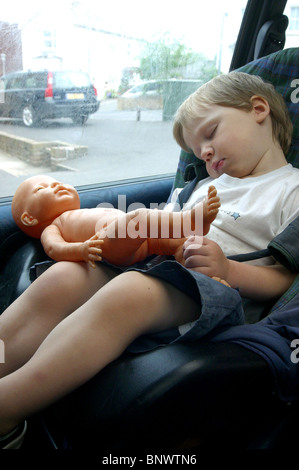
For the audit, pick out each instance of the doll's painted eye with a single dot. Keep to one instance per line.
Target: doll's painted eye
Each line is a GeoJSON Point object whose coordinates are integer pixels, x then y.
{"type": "Point", "coordinates": [38, 188]}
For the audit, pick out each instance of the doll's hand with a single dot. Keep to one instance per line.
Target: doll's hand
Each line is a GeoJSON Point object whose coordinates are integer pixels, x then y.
{"type": "Point", "coordinates": [205, 256]}
{"type": "Point", "coordinates": [91, 251]}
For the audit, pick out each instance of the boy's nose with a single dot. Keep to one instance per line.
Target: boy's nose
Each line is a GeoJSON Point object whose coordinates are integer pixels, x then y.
{"type": "Point", "coordinates": [207, 153]}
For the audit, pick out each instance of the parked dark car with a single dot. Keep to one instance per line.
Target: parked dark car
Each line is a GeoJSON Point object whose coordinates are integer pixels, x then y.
{"type": "Point", "coordinates": [33, 96]}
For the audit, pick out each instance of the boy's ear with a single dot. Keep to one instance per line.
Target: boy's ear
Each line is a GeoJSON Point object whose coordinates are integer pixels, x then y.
{"type": "Point", "coordinates": [260, 107]}
{"type": "Point", "coordinates": [28, 220]}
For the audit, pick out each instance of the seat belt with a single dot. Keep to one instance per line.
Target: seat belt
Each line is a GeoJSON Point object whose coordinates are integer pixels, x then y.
{"type": "Point", "coordinates": [284, 248]}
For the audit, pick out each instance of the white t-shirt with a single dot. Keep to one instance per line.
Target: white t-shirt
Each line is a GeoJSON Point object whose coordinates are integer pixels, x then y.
{"type": "Point", "coordinates": [253, 210]}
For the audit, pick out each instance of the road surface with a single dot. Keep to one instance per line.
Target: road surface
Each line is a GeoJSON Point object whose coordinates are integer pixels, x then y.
{"type": "Point", "coordinates": [119, 147]}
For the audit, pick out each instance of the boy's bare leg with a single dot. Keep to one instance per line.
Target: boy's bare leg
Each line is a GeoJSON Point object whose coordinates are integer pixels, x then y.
{"type": "Point", "coordinates": [52, 297]}
{"type": "Point", "coordinates": [89, 339]}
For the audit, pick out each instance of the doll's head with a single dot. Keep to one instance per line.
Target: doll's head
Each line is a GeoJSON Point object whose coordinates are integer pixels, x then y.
{"type": "Point", "coordinates": [39, 200]}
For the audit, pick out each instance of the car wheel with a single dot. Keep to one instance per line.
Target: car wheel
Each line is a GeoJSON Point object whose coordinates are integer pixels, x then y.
{"type": "Point", "coordinates": [80, 119]}
{"type": "Point", "coordinates": [29, 116]}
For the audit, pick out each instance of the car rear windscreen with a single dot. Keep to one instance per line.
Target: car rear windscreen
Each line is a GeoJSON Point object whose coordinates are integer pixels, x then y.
{"type": "Point", "coordinates": [71, 79]}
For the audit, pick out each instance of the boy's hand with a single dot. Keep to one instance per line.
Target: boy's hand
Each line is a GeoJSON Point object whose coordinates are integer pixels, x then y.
{"type": "Point", "coordinates": [91, 251]}
{"type": "Point", "coordinates": [205, 256]}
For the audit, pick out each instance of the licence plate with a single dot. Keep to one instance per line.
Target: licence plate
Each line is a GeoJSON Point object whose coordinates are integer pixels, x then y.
{"type": "Point", "coordinates": [75, 96]}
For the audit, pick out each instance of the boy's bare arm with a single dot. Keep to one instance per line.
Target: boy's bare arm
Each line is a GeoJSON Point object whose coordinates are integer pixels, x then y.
{"type": "Point", "coordinates": [60, 250]}
{"type": "Point", "coordinates": [259, 282]}
{"type": "Point", "coordinates": [254, 282]}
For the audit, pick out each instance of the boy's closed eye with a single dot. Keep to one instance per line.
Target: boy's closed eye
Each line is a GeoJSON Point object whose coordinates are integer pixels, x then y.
{"type": "Point", "coordinates": [211, 131]}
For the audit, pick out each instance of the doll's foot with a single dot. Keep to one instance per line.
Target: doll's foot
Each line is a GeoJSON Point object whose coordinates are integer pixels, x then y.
{"type": "Point", "coordinates": [211, 206]}
{"type": "Point", "coordinates": [222, 281]}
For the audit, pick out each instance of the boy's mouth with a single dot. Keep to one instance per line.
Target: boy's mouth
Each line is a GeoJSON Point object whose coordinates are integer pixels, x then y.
{"type": "Point", "coordinates": [218, 165]}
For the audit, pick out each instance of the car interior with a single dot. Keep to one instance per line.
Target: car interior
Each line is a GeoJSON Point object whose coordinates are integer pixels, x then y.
{"type": "Point", "coordinates": [183, 397]}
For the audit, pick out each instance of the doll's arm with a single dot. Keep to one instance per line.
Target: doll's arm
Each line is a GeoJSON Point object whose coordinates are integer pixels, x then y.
{"type": "Point", "coordinates": [58, 249]}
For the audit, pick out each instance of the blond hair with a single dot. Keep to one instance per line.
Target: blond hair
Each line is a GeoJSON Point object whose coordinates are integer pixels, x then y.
{"type": "Point", "coordinates": [235, 90]}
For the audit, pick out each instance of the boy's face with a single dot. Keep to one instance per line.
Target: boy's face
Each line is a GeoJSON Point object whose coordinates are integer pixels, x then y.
{"type": "Point", "coordinates": [230, 141]}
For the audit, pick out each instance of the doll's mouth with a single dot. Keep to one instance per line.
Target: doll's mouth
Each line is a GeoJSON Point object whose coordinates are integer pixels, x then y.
{"type": "Point", "coordinates": [61, 190]}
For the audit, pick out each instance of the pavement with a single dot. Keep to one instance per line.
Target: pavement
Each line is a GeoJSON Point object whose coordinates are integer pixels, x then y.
{"type": "Point", "coordinates": [119, 147]}
{"type": "Point", "coordinates": [13, 171]}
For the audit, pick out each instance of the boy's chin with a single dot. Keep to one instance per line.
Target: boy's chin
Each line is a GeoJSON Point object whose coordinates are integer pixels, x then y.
{"type": "Point", "coordinates": [214, 174]}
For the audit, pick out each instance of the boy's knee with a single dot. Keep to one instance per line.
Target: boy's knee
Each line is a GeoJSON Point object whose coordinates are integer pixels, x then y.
{"type": "Point", "coordinates": [62, 276]}
{"type": "Point", "coordinates": [132, 290]}
{"type": "Point", "coordinates": [126, 303]}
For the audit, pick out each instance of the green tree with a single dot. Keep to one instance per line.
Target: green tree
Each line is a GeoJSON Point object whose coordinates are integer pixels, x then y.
{"type": "Point", "coordinates": [171, 59]}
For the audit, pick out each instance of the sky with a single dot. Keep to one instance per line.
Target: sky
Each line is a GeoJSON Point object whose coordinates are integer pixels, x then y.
{"type": "Point", "coordinates": [188, 21]}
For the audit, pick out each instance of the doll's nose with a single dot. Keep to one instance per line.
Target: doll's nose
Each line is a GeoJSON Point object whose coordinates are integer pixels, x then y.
{"type": "Point", "coordinates": [56, 185]}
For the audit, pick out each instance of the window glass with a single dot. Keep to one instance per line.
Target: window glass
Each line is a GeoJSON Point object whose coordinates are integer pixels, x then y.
{"type": "Point", "coordinates": [114, 75]}
{"type": "Point", "coordinates": [70, 79]}
{"type": "Point", "coordinates": [36, 80]}
{"type": "Point", "coordinates": [294, 19]}
{"type": "Point", "coordinates": [15, 82]}
{"type": "Point", "coordinates": [292, 32]}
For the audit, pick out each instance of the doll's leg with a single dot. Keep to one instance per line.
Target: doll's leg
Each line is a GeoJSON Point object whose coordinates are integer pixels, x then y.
{"type": "Point", "coordinates": [124, 238]}
{"type": "Point", "coordinates": [211, 206]}
{"type": "Point", "coordinates": [175, 225]}
{"type": "Point", "coordinates": [135, 235]}
{"type": "Point", "coordinates": [51, 297]}
{"type": "Point", "coordinates": [89, 339]}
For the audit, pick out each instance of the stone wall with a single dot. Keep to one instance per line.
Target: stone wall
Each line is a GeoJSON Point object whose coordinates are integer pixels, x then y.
{"type": "Point", "coordinates": [39, 153]}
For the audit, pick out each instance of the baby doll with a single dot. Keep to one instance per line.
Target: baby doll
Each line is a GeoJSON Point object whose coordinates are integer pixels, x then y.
{"type": "Point", "coordinates": [47, 209]}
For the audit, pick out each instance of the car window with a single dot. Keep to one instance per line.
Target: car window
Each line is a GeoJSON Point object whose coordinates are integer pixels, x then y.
{"type": "Point", "coordinates": [35, 80]}
{"type": "Point", "coordinates": [72, 118]}
{"type": "Point", "coordinates": [71, 79]}
{"type": "Point", "coordinates": [14, 82]}
{"type": "Point", "coordinates": [292, 33]}
{"type": "Point", "coordinates": [137, 89]}
{"type": "Point", "coordinates": [156, 86]}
